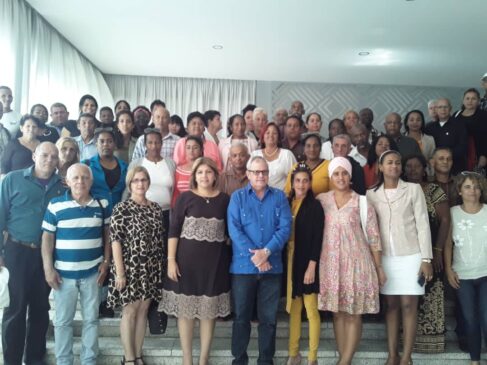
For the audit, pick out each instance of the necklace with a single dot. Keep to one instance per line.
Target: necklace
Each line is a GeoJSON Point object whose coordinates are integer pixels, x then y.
{"type": "Point", "coordinates": [272, 153]}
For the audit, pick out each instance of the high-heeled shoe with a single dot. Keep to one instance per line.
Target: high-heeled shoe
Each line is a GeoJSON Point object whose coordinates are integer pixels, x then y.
{"type": "Point", "coordinates": [140, 360]}
{"type": "Point", "coordinates": [123, 362]}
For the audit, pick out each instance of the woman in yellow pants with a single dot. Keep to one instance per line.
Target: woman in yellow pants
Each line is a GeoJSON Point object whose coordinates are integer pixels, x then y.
{"type": "Point", "coordinates": [303, 254]}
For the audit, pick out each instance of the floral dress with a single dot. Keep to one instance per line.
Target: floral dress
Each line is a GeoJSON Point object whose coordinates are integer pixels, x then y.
{"type": "Point", "coordinates": [348, 278]}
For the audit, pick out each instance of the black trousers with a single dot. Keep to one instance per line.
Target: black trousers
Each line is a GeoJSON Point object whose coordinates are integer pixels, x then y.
{"type": "Point", "coordinates": [29, 297]}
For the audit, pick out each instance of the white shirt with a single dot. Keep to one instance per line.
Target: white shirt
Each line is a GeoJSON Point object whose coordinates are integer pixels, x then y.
{"type": "Point", "coordinates": [279, 168]}
{"type": "Point", "coordinates": [11, 121]}
{"type": "Point", "coordinates": [162, 183]}
{"type": "Point", "coordinates": [357, 156]}
{"type": "Point", "coordinates": [326, 151]}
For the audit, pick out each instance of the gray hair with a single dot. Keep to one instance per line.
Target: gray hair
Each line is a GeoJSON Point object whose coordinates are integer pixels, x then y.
{"type": "Point", "coordinates": [342, 136]}
{"type": "Point", "coordinates": [74, 166]}
{"type": "Point", "coordinates": [431, 102]}
{"type": "Point", "coordinates": [259, 110]}
{"type": "Point", "coordinates": [257, 158]}
{"type": "Point", "coordinates": [240, 145]}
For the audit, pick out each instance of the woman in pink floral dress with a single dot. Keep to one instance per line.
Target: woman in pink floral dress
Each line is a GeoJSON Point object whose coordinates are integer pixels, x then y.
{"type": "Point", "coordinates": [350, 265]}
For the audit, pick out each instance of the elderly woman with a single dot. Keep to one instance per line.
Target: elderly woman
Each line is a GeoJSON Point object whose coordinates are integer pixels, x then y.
{"type": "Point", "coordinates": [124, 137]}
{"type": "Point", "coordinates": [198, 285]}
{"type": "Point", "coordinates": [236, 131]}
{"type": "Point", "coordinates": [407, 253]}
{"type": "Point", "coordinates": [303, 255]}
{"type": "Point", "coordinates": [68, 154]}
{"type": "Point", "coordinates": [317, 165]}
{"type": "Point", "coordinates": [466, 258]}
{"type": "Point", "coordinates": [350, 264]}
{"type": "Point", "coordinates": [18, 152]}
{"type": "Point", "coordinates": [430, 334]}
{"type": "Point", "coordinates": [136, 234]}
{"type": "Point", "coordinates": [280, 160]}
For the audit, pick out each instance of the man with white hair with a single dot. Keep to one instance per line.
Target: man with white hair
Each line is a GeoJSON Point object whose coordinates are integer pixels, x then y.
{"type": "Point", "coordinates": [76, 256]}
{"type": "Point", "coordinates": [24, 195]}
{"type": "Point", "coordinates": [432, 110]}
{"type": "Point", "coordinates": [259, 224]}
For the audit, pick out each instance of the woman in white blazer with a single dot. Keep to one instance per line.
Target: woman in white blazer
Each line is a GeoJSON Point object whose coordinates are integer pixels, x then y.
{"type": "Point", "coordinates": [407, 252]}
{"type": "Point", "coordinates": [414, 124]}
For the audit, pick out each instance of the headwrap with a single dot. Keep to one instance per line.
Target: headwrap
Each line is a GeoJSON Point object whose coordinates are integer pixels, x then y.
{"type": "Point", "coordinates": [340, 162]}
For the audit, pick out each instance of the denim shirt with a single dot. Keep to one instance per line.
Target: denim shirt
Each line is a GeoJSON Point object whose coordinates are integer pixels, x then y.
{"type": "Point", "coordinates": [257, 224]}
{"type": "Point", "coordinates": [100, 187]}
{"type": "Point", "coordinates": [23, 201]}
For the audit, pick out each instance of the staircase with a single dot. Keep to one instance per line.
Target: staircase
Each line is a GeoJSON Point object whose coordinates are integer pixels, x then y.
{"type": "Point", "coordinates": [165, 349]}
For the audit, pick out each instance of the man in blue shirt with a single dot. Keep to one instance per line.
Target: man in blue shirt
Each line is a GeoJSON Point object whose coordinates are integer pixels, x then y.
{"type": "Point", "coordinates": [24, 195]}
{"type": "Point", "coordinates": [76, 255]}
{"type": "Point", "coordinates": [259, 223]}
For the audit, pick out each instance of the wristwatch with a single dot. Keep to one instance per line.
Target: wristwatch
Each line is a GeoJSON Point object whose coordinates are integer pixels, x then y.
{"type": "Point", "coordinates": [267, 251]}
{"type": "Point", "coordinates": [428, 261]}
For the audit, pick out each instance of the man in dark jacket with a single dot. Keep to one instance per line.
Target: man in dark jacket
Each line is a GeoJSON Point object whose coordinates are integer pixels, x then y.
{"type": "Point", "coordinates": [449, 132]}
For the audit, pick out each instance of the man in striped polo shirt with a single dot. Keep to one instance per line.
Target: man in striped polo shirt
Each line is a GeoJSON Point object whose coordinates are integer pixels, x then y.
{"type": "Point", "coordinates": [76, 253]}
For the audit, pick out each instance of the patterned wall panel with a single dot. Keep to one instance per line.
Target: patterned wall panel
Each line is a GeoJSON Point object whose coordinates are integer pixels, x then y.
{"type": "Point", "coordinates": [332, 100]}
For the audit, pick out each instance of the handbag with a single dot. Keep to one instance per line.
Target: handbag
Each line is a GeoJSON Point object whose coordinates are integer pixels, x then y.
{"type": "Point", "coordinates": [157, 320]}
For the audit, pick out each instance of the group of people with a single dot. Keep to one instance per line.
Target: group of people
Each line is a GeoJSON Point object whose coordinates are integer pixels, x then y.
{"type": "Point", "coordinates": [206, 224]}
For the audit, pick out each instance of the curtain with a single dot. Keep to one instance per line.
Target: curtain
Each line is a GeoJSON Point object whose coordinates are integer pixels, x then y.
{"type": "Point", "coordinates": [184, 95]}
{"type": "Point", "coordinates": [41, 66]}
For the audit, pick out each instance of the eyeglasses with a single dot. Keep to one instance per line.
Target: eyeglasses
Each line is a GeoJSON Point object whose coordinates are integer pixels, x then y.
{"type": "Point", "coordinates": [259, 172]}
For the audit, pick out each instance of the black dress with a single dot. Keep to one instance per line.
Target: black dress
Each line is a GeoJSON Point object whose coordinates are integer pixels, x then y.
{"type": "Point", "coordinates": [203, 257]}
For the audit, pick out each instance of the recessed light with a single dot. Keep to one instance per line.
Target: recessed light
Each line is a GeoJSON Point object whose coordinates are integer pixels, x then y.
{"type": "Point", "coordinates": [364, 53]}
{"type": "Point", "coordinates": [217, 46]}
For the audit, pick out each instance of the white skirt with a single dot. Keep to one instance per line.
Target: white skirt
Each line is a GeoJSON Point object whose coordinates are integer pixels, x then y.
{"type": "Point", "coordinates": [402, 275]}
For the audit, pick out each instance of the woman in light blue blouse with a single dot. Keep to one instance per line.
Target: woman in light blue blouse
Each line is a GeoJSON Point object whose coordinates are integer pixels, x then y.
{"type": "Point", "coordinates": [466, 257]}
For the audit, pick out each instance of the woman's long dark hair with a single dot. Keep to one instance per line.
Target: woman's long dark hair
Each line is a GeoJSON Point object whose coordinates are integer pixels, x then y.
{"type": "Point", "coordinates": [372, 158]}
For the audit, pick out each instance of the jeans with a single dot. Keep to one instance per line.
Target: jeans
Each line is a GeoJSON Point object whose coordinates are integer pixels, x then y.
{"type": "Point", "coordinates": [265, 290]}
{"type": "Point", "coordinates": [66, 298]}
{"type": "Point", "coordinates": [472, 296]}
{"type": "Point", "coordinates": [26, 319]}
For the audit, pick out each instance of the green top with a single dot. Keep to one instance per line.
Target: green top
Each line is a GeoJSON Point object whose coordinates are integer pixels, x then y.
{"type": "Point", "coordinates": [23, 201]}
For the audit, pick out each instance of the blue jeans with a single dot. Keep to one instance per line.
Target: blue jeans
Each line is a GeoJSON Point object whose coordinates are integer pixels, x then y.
{"type": "Point", "coordinates": [265, 290]}
{"type": "Point", "coordinates": [65, 299]}
{"type": "Point", "coordinates": [472, 296]}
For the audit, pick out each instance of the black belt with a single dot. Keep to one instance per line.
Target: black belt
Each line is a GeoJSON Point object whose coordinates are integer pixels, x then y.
{"type": "Point", "coordinates": [31, 245]}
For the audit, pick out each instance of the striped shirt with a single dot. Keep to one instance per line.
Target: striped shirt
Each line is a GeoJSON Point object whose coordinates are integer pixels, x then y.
{"type": "Point", "coordinates": [79, 234]}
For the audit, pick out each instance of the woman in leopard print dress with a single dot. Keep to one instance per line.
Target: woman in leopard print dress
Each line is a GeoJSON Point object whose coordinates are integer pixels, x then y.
{"type": "Point", "coordinates": [136, 234]}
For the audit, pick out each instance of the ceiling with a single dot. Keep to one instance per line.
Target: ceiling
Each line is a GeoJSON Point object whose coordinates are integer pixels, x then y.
{"type": "Point", "coordinates": [420, 42]}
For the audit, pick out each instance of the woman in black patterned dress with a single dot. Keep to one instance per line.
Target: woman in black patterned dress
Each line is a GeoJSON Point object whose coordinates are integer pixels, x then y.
{"type": "Point", "coordinates": [198, 284]}
{"type": "Point", "coordinates": [136, 234]}
{"type": "Point", "coordinates": [430, 330]}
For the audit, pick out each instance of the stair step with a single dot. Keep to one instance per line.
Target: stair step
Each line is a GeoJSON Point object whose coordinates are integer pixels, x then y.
{"type": "Point", "coordinates": [168, 352]}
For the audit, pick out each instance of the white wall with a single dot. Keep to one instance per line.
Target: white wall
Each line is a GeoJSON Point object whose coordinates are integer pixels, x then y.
{"type": "Point", "coordinates": [332, 100]}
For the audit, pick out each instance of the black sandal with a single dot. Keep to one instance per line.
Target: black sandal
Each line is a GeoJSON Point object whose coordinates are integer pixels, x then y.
{"type": "Point", "coordinates": [123, 362]}
{"type": "Point", "coordinates": [140, 360]}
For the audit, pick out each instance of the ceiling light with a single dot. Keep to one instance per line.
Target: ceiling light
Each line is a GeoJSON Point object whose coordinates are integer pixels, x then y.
{"type": "Point", "coordinates": [364, 53]}
{"type": "Point", "coordinates": [217, 46]}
